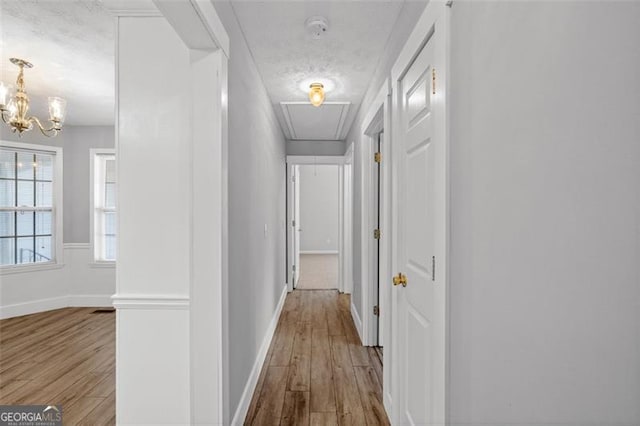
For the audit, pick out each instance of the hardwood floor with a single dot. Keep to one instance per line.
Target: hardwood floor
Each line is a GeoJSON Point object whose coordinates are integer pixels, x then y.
{"type": "Point", "coordinates": [317, 372]}
{"type": "Point", "coordinates": [65, 357]}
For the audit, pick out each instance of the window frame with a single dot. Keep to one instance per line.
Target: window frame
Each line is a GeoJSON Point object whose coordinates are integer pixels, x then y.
{"type": "Point", "coordinates": [57, 236]}
{"type": "Point", "coordinates": [94, 191]}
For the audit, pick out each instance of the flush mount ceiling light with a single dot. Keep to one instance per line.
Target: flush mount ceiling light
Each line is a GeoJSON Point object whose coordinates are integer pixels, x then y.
{"type": "Point", "coordinates": [316, 94]}
{"type": "Point", "coordinates": [317, 26]}
{"type": "Point", "coordinates": [14, 113]}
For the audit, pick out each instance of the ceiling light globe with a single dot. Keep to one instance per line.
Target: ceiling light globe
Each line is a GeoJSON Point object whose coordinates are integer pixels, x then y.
{"type": "Point", "coordinates": [316, 94]}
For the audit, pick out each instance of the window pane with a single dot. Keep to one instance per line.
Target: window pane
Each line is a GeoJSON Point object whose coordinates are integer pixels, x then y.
{"type": "Point", "coordinates": [110, 195]}
{"type": "Point", "coordinates": [7, 193]}
{"type": "Point", "coordinates": [6, 224]}
{"type": "Point", "coordinates": [109, 248]}
{"type": "Point", "coordinates": [25, 194]}
{"type": "Point", "coordinates": [7, 164]}
{"type": "Point", "coordinates": [25, 223]}
{"type": "Point", "coordinates": [44, 194]}
{"type": "Point", "coordinates": [25, 250]}
{"type": "Point", "coordinates": [110, 223]}
{"type": "Point", "coordinates": [44, 167]}
{"type": "Point", "coordinates": [44, 222]}
{"type": "Point", "coordinates": [25, 166]}
{"type": "Point", "coordinates": [6, 251]}
{"type": "Point", "coordinates": [43, 249]}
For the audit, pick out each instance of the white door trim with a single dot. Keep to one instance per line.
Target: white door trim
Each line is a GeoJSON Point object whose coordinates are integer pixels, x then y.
{"type": "Point", "coordinates": [344, 256]}
{"type": "Point", "coordinates": [376, 120]}
{"type": "Point", "coordinates": [436, 13]}
{"type": "Point", "coordinates": [347, 240]}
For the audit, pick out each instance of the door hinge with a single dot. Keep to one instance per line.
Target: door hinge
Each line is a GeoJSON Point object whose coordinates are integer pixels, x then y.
{"type": "Point", "coordinates": [433, 78]}
{"type": "Point", "coordinates": [293, 223]}
{"type": "Point", "coordinates": [377, 157]}
{"type": "Point", "coordinates": [449, 3]}
{"type": "Point", "coordinates": [433, 268]}
{"type": "Point", "coordinates": [376, 310]}
{"type": "Point", "coordinates": [294, 268]}
{"type": "Point", "coordinates": [376, 234]}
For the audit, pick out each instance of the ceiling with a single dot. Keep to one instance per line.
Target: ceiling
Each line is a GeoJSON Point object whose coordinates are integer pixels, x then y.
{"type": "Point", "coordinates": [289, 59]}
{"type": "Point", "coordinates": [71, 45]}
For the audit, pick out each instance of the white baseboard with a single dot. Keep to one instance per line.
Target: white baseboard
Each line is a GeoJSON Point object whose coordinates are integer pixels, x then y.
{"type": "Point", "coordinates": [357, 321]}
{"type": "Point", "coordinates": [250, 387]}
{"type": "Point", "coordinates": [43, 305]}
{"type": "Point", "coordinates": [33, 307]}
{"type": "Point", "coordinates": [319, 252]}
{"type": "Point", "coordinates": [90, 300]}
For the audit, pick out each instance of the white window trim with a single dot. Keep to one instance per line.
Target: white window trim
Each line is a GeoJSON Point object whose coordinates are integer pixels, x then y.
{"type": "Point", "coordinates": [93, 153]}
{"type": "Point", "coordinates": [58, 202]}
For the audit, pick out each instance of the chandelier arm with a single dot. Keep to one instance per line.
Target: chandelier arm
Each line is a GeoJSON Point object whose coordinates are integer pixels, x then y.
{"type": "Point", "coordinates": [3, 118]}
{"type": "Point", "coordinates": [52, 131]}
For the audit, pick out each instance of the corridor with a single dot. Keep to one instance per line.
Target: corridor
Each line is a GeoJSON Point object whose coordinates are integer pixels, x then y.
{"type": "Point", "coordinates": [316, 371]}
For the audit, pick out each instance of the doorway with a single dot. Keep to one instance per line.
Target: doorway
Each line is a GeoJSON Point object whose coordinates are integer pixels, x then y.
{"type": "Point", "coordinates": [316, 207]}
{"type": "Point", "coordinates": [317, 227]}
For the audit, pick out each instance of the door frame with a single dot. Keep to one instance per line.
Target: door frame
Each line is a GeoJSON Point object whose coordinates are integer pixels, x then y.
{"type": "Point", "coordinates": [376, 120]}
{"type": "Point", "coordinates": [345, 258]}
{"type": "Point", "coordinates": [436, 14]}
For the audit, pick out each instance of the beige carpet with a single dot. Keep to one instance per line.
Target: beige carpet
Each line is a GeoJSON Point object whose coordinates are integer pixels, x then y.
{"type": "Point", "coordinates": [318, 272]}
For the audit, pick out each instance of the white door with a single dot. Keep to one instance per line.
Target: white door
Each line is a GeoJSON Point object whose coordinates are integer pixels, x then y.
{"type": "Point", "coordinates": [421, 230]}
{"type": "Point", "coordinates": [296, 225]}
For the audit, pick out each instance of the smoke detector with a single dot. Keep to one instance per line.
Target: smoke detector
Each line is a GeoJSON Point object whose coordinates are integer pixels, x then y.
{"type": "Point", "coordinates": [317, 26]}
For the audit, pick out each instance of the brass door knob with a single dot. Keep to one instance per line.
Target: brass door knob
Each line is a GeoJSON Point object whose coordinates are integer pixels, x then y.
{"type": "Point", "coordinates": [400, 279]}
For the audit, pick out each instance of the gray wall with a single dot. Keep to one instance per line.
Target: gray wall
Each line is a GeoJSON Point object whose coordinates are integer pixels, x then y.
{"type": "Point", "coordinates": [545, 204]}
{"type": "Point", "coordinates": [76, 141]}
{"type": "Point", "coordinates": [319, 214]}
{"type": "Point", "coordinates": [315, 147]}
{"type": "Point", "coordinates": [407, 19]}
{"type": "Point", "coordinates": [256, 198]}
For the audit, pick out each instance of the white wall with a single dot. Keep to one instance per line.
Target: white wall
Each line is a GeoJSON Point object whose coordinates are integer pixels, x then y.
{"type": "Point", "coordinates": [77, 282]}
{"type": "Point", "coordinates": [545, 202]}
{"type": "Point", "coordinates": [315, 147]}
{"type": "Point", "coordinates": [155, 256]}
{"type": "Point", "coordinates": [319, 208]}
{"type": "Point", "coordinates": [257, 198]}
{"type": "Point", "coordinates": [405, 23]}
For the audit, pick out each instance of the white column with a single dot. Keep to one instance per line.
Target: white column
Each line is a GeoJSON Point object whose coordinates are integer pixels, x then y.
{"type": "Point", "coordinates": [154, 223]}
{"type": "Point", "coordinates": [171, 151]}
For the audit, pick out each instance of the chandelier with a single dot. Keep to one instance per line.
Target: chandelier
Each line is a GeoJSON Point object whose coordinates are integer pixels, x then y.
{"type": "Point", "coordinates": [14, 113]}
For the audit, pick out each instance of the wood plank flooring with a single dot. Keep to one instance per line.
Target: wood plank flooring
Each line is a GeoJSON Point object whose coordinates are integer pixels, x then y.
{"type": "Point", "coordinates": [317, 372]}
{"type": "Point", "coordinates": [65, 357]}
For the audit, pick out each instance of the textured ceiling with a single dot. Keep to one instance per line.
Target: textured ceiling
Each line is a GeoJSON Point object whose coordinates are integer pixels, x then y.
{"type": "Point", "coordinates": [71, 45]}
{"type": "Point", "coordinates": [287, 57]}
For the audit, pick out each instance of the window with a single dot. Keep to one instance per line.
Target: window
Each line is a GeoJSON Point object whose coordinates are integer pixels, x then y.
{"type": "Point", "coordinates": [28, 198]}
{"type": "Point", "coordinates": [104, 205]}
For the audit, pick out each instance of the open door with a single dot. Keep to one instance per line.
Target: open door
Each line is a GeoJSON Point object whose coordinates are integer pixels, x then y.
{"type": "Point", "coordinates": [420, 225]}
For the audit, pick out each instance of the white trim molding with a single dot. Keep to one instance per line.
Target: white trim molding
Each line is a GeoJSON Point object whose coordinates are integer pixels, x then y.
{"type": "Point", "coordinates": [319, 251]}
{"type": "Point", "coordinates": [33, 307]}
{"type": "Point", "coordinates": [356, 320]}
{"type": "Point", "coordinates": [143, 301]}
{"type": "Point", "coordinates": [315, 159]}
{"type": "Point", "coordinates": [60, 302]}
{"type": "Point", "coordinates": [90, 300]}
{"type": "Point", "coordinates": [250, 387]}
{"type": "Point", "coordinates": [377, 119]}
